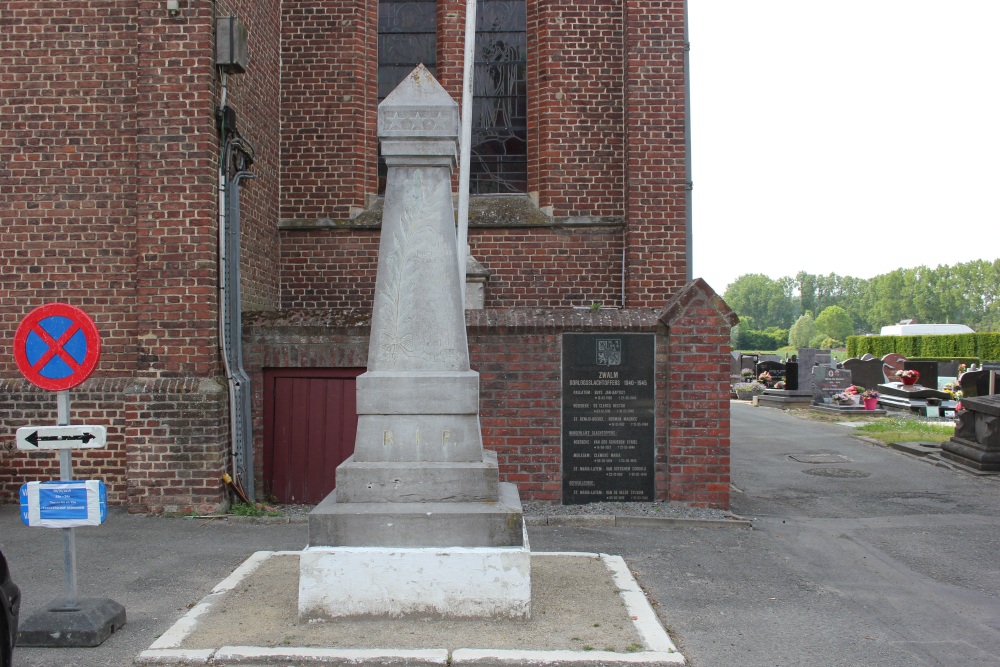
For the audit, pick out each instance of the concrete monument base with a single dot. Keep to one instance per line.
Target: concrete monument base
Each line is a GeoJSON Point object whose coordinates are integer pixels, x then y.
{"type": "Point", "coordinates": [336, 582]}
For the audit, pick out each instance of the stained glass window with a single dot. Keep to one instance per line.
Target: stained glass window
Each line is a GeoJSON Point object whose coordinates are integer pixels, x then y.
{"type": "Point", "coordinates": [500, 103]}
{"type": "Point", "coordinates": [407, 36]}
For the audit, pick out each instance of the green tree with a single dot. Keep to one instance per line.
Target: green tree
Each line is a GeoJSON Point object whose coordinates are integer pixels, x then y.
{"type": "Point", "coordinates": [761, 301]}
{"type": "Point", "coordinates": [835, 322]}
{"type": "Point", "coordinates": [802, 331]}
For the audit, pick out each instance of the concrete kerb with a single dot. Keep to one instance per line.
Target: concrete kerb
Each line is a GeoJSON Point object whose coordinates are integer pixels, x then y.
{"type": "Point", "coordinates": [658, 649]}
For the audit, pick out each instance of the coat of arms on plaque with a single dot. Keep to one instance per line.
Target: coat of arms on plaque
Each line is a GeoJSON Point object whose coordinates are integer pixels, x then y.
{"type": "Point", "coordinates": [609, 352]}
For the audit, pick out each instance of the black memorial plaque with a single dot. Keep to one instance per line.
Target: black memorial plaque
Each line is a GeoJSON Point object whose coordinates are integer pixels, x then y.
{"type": "Point", "coordinates": [608, 420]}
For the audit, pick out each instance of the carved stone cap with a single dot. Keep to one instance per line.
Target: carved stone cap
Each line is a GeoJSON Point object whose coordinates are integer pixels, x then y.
{"type": "Point", "coordinates": [418, 108]}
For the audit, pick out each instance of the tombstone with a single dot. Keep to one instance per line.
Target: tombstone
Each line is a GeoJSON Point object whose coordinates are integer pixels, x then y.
{"type": "Point", "coordinates": [827, 381]}
{"type": "Point", "coordinates": [734, 363]}
{"type": "Point", "coordinates": [891, 363]}
{"type": "Point", "coordinates": [866, 372]}
{"type": "Point", "coordinates": [976, 442]}
{"type": "Point", "coordinates": [809, 358]}
{"type": "Point", "coordinates": [928, 372]}
{"type": "Point", "coordinates": [975, 383]}
{"type": "Point", "coordinates": [792, 376]}
{"type": "Point", "coordinates": [948, 369]}
{"type": "Point", "coordinates": [775, 368]}
{"type": "Point", "coordinates": [748, 361]}
{"type": "Point", "coordinates": [419, 522]}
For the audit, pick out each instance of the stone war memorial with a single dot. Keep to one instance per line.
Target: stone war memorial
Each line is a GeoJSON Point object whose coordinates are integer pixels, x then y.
{"type": "Point", "coordinates": [419, 522]}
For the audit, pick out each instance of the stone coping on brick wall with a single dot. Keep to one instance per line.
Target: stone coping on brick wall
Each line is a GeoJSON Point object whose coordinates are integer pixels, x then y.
{"type": "Point", "coordinates": [484, 212]}
{"type": "Point", "coordinates": [356, 321]}
{"type": "Point", "coordinates": [124, 385]}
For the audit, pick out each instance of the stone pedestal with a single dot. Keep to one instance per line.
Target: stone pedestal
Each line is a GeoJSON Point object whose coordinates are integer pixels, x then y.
{"type": "Point", "coordinates": [419, 522]}
{"type": "Point", "coordinates": [976, 442]}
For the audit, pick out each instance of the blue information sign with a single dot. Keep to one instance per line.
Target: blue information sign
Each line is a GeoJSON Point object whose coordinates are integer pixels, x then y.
{"type": "Point", "coordinates": [64, 504]}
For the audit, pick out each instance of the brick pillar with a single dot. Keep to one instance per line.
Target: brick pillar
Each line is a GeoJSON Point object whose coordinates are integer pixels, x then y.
{"type": "Point", "coordinates": [174, 458]}
{"type": "Point", "coordinates": [698, 323]}
{"type": "Point", "coordinates": [451, 46]}
{"type": "Point", "coordinates": [328, 93]}
{"type": "Point", "coordinates": [576, 133]}
{"type": "Point", "coordinates": [656, 255]}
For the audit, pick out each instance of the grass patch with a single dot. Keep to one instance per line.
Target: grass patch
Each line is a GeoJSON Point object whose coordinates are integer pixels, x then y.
{"type": "Point", "coordinates": [903, 429]}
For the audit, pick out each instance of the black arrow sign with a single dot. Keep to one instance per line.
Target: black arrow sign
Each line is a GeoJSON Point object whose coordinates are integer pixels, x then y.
{"type": "Point", "coordinates": [82, 438]}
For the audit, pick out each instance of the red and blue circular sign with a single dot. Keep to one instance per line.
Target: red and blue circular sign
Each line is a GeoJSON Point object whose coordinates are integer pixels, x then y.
{"type": "Point", "coordinates": [57, 346]}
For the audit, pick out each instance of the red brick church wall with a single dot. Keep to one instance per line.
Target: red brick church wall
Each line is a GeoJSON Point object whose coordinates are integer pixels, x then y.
{"type": "Point", "coordinates": [111, 177]}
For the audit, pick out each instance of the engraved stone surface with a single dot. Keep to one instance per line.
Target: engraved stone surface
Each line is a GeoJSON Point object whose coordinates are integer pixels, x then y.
{"type": "Point", "coordinates": [608, 399]}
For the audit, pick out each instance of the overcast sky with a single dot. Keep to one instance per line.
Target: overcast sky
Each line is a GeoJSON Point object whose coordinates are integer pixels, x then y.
{"type": "Point", "coordinates": [852, 137]}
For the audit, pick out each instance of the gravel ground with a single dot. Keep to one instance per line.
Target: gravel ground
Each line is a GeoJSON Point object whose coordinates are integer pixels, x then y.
{"type": "Point", "coordinates": [574, 602]}
{"type": "Point", "coordinates": [296, 513]}
{"type": "Point", "coordinates": [669, 510]}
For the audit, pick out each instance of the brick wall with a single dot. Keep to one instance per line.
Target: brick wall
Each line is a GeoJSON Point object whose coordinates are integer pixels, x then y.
{"type": "Point", "coordinates": [94, 402]}
{"type": "Point", "coordinates": [328, 98]}
{"type": "Point", "coordinates": [67, 170]}
{"type": "Point", "coordinates": [697, 359]}
{"type": "Point", "coordinates": [107, 129]}
{"type": "Point", "coordinates": [655, 198]}
{"type": "Point", "coordinates": [576, 106]}
{"type": "Point", "coordinates": [176, 187]}
{"type": "Point", "coordinates": [256, 97]}
{"type": "Point", "coordinates": [328, 269]}
{"type": "Point", "coordinates": [175, 436]}
{"type": "Point", "coordinates": [163, 452]}
{"type": "Point", "coordinates": [548, 267]}
{"type": "Point", "coordinates": [517, 353]}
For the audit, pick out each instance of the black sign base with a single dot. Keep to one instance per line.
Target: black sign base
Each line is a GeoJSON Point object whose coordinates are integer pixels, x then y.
{"type": "Point", "coordinates": [89, 624]}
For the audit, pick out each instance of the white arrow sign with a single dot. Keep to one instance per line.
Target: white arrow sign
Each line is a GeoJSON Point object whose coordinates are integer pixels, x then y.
{"type": "Point", "coordinates": [61, 437]}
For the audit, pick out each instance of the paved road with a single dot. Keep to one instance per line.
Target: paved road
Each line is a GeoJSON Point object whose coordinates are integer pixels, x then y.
{"type": "Point", "coordinates": [878, 559]}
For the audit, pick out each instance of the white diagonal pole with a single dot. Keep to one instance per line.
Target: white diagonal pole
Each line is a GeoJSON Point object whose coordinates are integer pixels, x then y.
{"type": "Point", "coordinates": [464, 166]}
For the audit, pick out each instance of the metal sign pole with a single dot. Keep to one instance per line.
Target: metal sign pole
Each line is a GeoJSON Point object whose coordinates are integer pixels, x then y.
{"type": "Point", "coordinates": [66, 475]}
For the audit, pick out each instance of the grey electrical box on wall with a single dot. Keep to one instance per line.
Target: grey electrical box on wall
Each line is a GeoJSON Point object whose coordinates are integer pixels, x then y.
{"type": "Point", "coordinates": [231, 49]}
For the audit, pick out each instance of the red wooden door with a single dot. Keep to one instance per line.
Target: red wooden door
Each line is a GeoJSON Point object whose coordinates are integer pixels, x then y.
{"type": "Point", "coordinates": [310, 420]}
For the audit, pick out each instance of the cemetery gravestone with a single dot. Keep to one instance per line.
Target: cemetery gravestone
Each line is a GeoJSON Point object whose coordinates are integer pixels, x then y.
{"type": "Point", "coordinates": [891, 363]}
{"type": "Point", "coordinates": [792, 376]}
{"type": "Point", "coordinates": [828, 381]}
{"type": "Point", "coordinates": [976, 442]}
{"type": "Point", "coordinates": [775, 368]}
{"type": "Point", "coordinates": [809, 358]}
{"type": "Point", "coordinates": [928, 372]}
{"type": "Point", "coordinates": [866, 372]}
{"type": "Point", "coordinates": [975, 383]}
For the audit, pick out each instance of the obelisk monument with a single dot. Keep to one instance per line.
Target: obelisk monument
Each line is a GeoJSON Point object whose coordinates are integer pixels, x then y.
{"type": "Point", "coordinates": [419, 522]}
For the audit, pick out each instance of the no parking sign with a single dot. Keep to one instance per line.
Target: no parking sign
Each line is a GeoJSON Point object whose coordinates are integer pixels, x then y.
{"type": "Point", "coordinates": [57, 346]}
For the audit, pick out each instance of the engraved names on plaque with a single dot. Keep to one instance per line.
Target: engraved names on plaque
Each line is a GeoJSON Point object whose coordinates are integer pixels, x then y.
{"type": "Point", "coordinates": [608, 419]}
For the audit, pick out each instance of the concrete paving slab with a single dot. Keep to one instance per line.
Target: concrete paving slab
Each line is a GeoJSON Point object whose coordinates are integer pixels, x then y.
{"type": "Point", "coordinates": [587, 610]}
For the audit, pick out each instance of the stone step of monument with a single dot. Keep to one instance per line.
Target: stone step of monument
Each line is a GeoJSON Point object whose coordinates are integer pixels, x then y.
{"type": "Point", "coordinates": [487, 524]}
{"type": "Point", "coordinates": [407, 482]}
{"type": "Point", "coordinates": [418, 437]}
